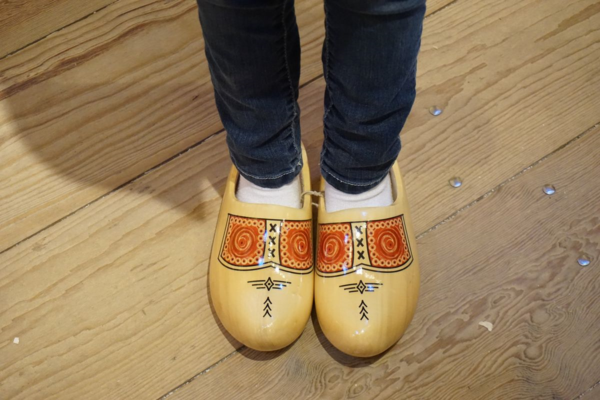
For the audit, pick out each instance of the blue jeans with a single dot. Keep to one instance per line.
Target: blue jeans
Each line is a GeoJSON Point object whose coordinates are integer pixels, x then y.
{"type": "Point", "coordinates": [369, 62]}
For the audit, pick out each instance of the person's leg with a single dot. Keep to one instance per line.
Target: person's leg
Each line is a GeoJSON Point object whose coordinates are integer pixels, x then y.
{"type": "Point", "coordinates": [367, 267]}
{"type": "Point", "coordinates": [369, 58]}
{"type": "Point", "coordinates": [253, 51]}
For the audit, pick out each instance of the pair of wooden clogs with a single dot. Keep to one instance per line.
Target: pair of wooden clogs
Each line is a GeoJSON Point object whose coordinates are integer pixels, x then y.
{"type": "Point", "coordinates": [263, 278]}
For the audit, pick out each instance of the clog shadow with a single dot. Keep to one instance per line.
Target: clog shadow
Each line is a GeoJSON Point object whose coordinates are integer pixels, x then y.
{"type": "Point", "coordinates": [234, 343]}
{"type": "Point", "coordinates": [255, 355]}
{"type": "Point", "coordinates": [338, 356]}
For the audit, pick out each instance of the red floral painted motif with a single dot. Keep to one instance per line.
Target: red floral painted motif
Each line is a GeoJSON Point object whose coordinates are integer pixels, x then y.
{"type": "Point", "coordinates": [244, 241]}
{"type": "Point", "coordinates": [335, 247]}
{"type": "Point", "coordinates": [388, 246]}
{"type": "Point", "coordinates": [296, 244]}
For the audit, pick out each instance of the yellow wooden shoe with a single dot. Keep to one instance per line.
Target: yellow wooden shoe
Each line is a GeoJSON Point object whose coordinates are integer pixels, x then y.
{"type": "Point", "coordinates": [261, 268]}
{"type": "Point", "coordinates": [367, 280]}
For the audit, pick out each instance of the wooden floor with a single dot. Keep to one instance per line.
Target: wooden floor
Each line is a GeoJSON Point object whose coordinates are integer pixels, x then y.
{"type": "Point", "coordinates": [113, 161]}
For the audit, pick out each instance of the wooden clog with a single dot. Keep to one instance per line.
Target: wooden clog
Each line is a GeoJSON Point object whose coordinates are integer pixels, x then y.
{"type": "Point", "coordinates": [367, 276]}
{"type": "Point", "coordinates": [261, 268]}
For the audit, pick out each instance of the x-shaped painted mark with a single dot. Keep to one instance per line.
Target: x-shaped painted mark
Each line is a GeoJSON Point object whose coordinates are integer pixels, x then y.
{"type": "Point", "coordinates": [272, 240]}
{"type": "Point", "coordinates": [361, 255]}
{"type": "Point", "coordinates": [271, 253]}
{"type": "Point", "coordinates": [359, 242]}
{"type": "Point", "coordinates": [272, 227]}
{"type": "Point", "coordinates": [359, 230]}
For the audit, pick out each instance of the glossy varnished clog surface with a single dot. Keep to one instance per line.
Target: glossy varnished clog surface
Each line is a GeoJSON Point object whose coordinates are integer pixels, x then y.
{"type": "Point", "coordinates": [367, 277]}
{"type": "Point", "coordinates": [261, 269]}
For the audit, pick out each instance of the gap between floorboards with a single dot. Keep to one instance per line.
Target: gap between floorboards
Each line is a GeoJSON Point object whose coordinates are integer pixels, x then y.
{"type": "Point", "coordinates": [116, 1]}
{"type": "Point", "coordinates": [587, 391]}
{"type": "Point", "coordinates": [56, 30]}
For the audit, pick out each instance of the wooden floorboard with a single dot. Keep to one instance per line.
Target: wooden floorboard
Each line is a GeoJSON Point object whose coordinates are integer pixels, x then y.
{"type": "Point", "coordinates": [510, 259]}
{"type": "Point", "coordinates": [23, 22]}
{"type": "Point", "coordinates": [94, 105]}
{"type": "Point", "coordinates": [111, 302]}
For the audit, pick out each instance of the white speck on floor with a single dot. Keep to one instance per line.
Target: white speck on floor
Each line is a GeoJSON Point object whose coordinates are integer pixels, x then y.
{"type": "Point", "coordinates": [488, 325]}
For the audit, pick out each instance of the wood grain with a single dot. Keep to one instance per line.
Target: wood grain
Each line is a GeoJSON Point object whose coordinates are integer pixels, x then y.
{"type": "Point", "coordinates": [510, 259]}
{"type": "Point", "coordinates": [22, 22]}
{"type": "Point", "coordinates": [96, 104]}
{"type": "Point", "coordinates": [111, 302]}
{"type": "Point", "coordinates": [516, 78]}
{"type": "Point", "coordinates": [134, 93]}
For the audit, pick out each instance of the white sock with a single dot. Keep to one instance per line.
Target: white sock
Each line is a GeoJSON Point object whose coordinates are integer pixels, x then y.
{"type": "Point", "coordinates": [379, 196]}
{"type": "Point", "coordinates": [288, 195]}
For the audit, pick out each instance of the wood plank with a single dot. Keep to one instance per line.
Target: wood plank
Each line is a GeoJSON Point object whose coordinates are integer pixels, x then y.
{"type": "Point", "coordinates": [100, 102]}
{"type": "Point", "coordinates": [501, 112]}
{"type": "Point", "coordinates": [126, 277]}
{"type": "Point", "coordinates": [591, 393]}
{"type": "Point", "coordinates": [510, 259]}
{"type": "Point", "coordinates": [22, 22]}
{"type": "Point", "coordinates": [112, 302]}
{"type": "Point", "coordinates": [134, 92]}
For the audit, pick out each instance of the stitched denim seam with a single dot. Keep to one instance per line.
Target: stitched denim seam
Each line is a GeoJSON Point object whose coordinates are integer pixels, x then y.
{"type": "Point", "coordinates": [289, 76]}
{"type": "Point", "coordinates": [327, 62]}
{"type": "Point", "coordinates": [376, 181]}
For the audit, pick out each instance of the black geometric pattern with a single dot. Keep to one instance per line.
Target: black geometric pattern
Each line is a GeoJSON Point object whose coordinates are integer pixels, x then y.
{"type": "Point", "coordinates": [270, 284]}
{"type": "Point", "coordinates": [267, 308]}
{"type": "Point", "coordinates": [361, 287]}
{"type": "Point", "coordinates": [363, 310]}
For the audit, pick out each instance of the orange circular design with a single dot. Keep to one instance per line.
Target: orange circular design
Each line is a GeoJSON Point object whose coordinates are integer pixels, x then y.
{"type": "Point", "coordinates": [296, 244]}
{"type": "Point", "coordinates": [335, 247]}
{"type": "Point", "coordinates": [299, 245]}
{"type": "Point", "coordinates": [244, 242]}
{"type": "Point", "coordinates": [332, 247]}
{"type": "Point", "coordinates": [387, 243]}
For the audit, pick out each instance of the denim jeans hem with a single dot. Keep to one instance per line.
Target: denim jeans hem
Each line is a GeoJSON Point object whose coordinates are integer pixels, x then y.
{"type": "Point", "coordinates": [346, 186]}
{"type": "Point", "coordinates": [253, 51]}
{"type": "Point", "coordinates": [275, 181]}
